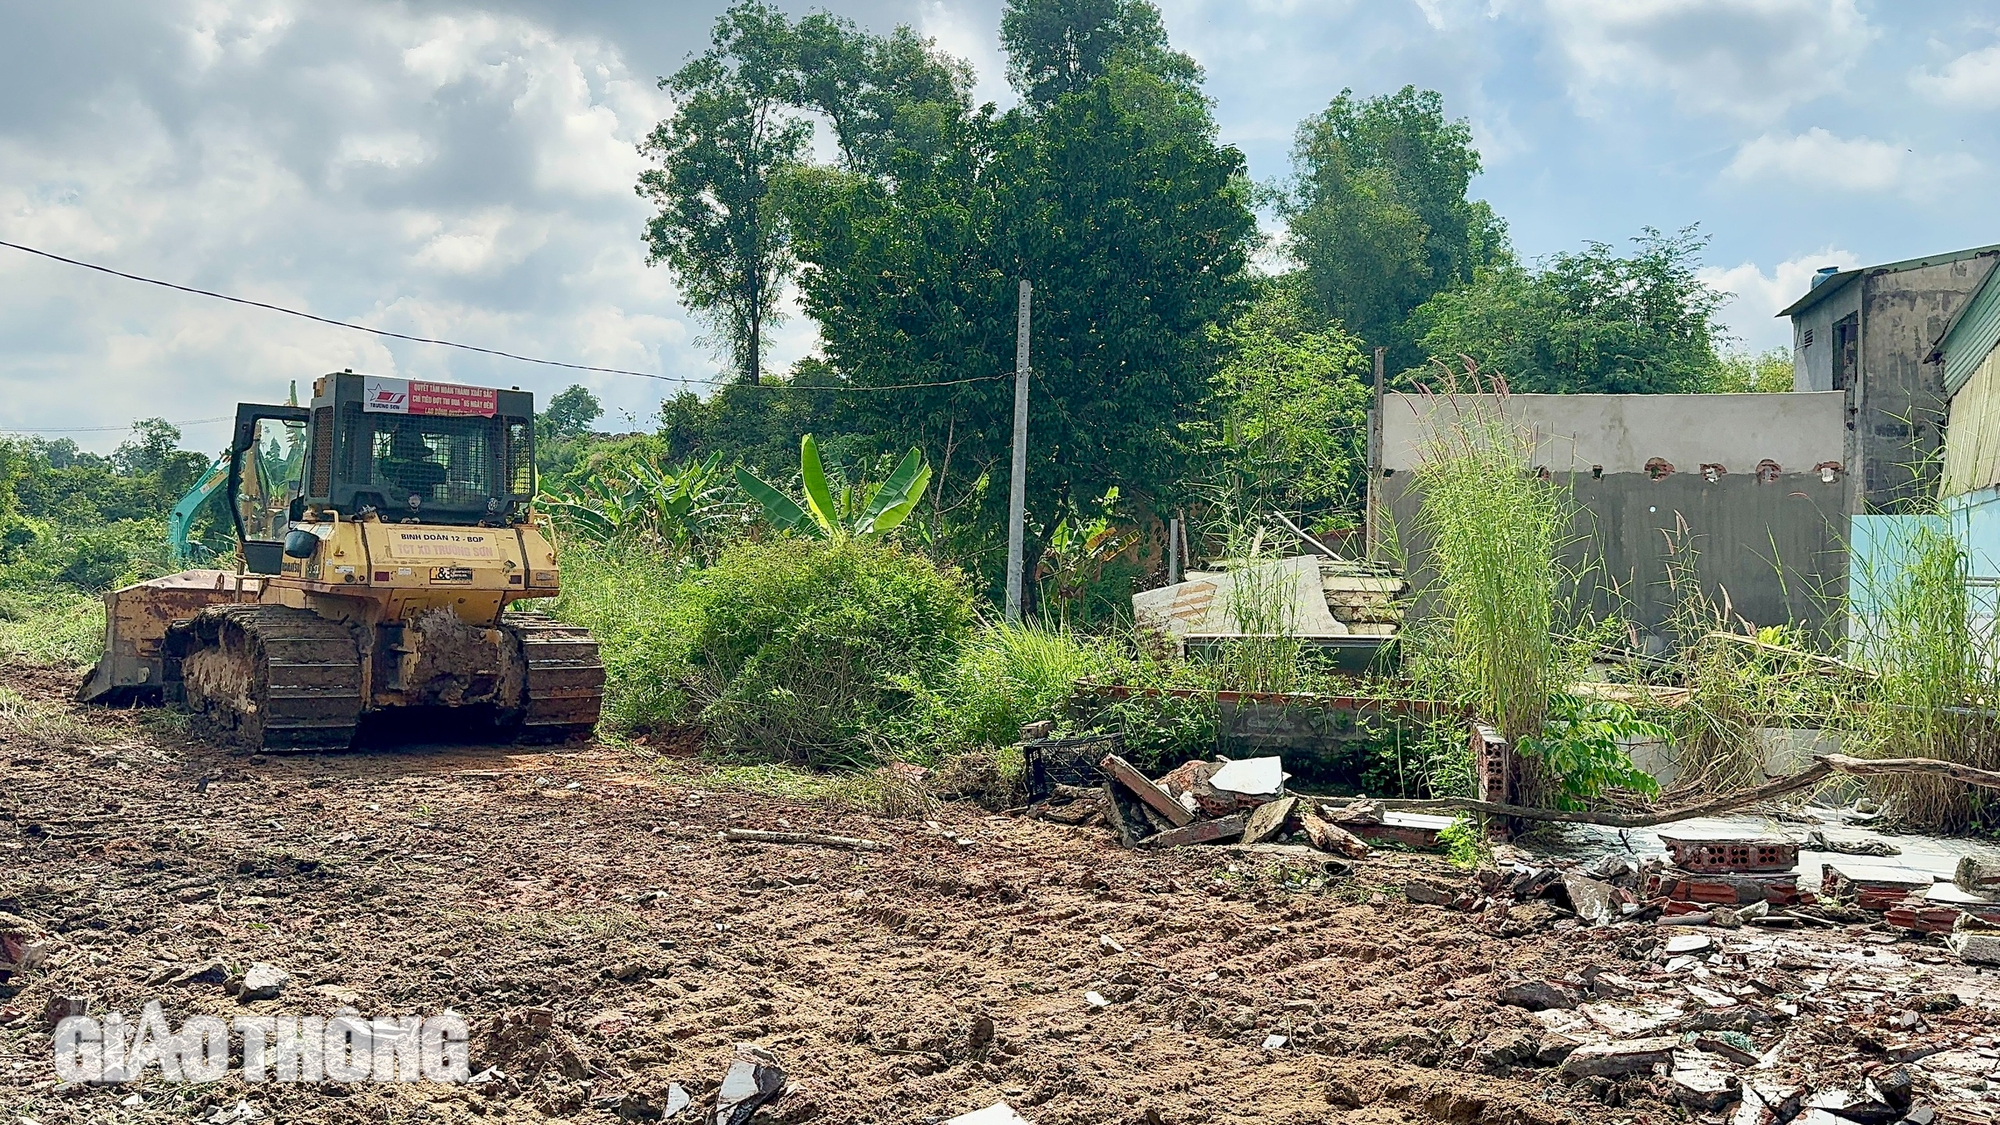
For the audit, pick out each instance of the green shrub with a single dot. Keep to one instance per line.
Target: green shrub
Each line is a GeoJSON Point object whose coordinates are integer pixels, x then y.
{"type": "Point", "coordinates": [813, 651]}
{"type": "Point", "coordinates": [626, 596]}
{"type": "Point", "coordinates": [1009, 675]}
{"type": "Point", "coordinates": [91, 556]}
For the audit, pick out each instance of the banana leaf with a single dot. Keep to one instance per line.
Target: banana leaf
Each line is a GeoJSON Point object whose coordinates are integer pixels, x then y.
{"type": "Point", "coordinates": [894, 500]}
{"type": "Point", "coordinates": [818, 497]}
{"type": "Point", "coordinates": [780, 510]}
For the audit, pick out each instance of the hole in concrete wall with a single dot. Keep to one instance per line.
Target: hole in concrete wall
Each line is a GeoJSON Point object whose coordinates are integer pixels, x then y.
{"type": "Point", "coordinates": [1767, 470]}
{"type": "Point", "coordinates": [1597, 472]}
{"type": "Point", "coordinates": [1659, 468]}
{"type": "Point", "coordinates": [1712, 472]}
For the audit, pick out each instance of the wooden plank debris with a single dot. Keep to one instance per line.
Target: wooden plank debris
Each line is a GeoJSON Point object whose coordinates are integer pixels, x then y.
{"type": "Point", "coordinates": [1156, 798]}
{"type": "Point", "coordinates": [1200, 832]}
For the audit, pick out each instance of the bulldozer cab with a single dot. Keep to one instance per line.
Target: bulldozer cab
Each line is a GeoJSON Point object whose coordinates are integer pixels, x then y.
{"type": "Point", "coordinates": [397, 450]}
{"type": "Point", "coordinates": [267, 462]}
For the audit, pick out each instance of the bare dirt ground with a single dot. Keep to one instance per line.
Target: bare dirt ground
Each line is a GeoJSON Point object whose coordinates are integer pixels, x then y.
{"type": "Point", "coordinates": [590, 884]}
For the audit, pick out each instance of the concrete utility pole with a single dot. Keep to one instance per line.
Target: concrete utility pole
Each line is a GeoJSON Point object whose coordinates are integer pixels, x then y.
{"type": "Point", "coordinates": [1017, 489]}
{"type": "Point", "coordinates": [1371, 515]}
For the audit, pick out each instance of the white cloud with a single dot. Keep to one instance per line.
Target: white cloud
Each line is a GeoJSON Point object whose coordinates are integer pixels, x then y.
{"type": "Point", "coordinates": [1817, 158]}
{"type": "Point", "coordinates": [976, 40]}
{"type": "Point", "coordinates": [399, 149]}
{"type": "Point", "coordinates": [466, 176]}
{"type": "Point", "coordinates": [1750, 314]}
{"type": "Point", "coordinates": [1971, 79]}
{"type": "Point", "coordinates": [1751, 59]}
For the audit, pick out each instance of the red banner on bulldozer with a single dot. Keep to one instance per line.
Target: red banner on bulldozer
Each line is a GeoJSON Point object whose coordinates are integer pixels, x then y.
{"type": "Point", "coordinates": [414, 396]}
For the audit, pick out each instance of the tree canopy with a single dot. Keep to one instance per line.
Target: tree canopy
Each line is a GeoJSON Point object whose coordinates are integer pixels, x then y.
{"type": "Point", "coordinates": [1586, 322]}
{"type": "Point", "coordinates": [1058, 47]}
{"type": "Point", "coordinates": [1288, 410]}
{"type": "Point", "coordinates": [732, 135]}
{"type": "Point", "coordinates": [1133, 229]}
{"type": "Point", "coordinates": [1377, 214]}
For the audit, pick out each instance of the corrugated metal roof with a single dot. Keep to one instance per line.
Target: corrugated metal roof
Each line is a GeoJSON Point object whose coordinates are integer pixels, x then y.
{"type": "Point", "coordinates": [1972, 336]}
{"type": "Point", "coordinates": [1839, 280]}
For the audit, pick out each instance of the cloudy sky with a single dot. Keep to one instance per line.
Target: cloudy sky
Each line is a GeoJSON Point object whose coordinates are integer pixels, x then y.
{"type": "Point", "coordinates": [466, 170]}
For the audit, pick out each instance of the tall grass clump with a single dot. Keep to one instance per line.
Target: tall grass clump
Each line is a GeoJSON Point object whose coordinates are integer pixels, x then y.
{"type": "Point", "coordinates": [624, 594]}
{"type": "Point", "coordinates": [55, 625]}
{"type": "Point", "coordinates": [1935, 683]}
{"type": "Point", "coordinates": [1264, 608]}
{"type": "Point", "coordinates": [1739, 679]}
{"type": "Point", "coordinates": [814, 652]}
{"type": "Point", "coordinates": [1495, 530]}
{"type": "Point", "coordinates": [1512, 638]}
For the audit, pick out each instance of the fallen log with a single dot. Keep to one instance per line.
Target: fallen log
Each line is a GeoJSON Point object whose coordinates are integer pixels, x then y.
{"type": "Point", "coordinates": [760, 836]}
{"type": "Point", "coordinates": [1823, 767]}
{"type": "Point", "coordinates": [1331, 838]}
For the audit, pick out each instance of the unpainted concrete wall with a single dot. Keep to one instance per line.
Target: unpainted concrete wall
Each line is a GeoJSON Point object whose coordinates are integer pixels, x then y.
{"type": "Point", "coordinates": [1900, 411]}
{"type": "Point", "coordinates": [1773, 550]}
{"type": "Point", "coordinates": [1812, 363]}
{"type": "Point", "coordinates": [1621, 433]}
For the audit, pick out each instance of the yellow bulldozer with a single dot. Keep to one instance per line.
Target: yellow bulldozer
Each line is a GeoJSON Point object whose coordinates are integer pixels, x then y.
{"type": "Point", "coordinates": [382, 535]}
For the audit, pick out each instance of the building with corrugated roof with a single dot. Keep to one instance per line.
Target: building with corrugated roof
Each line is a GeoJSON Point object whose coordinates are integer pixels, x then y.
{"type": "Point", "coordinates": [1869, 333]}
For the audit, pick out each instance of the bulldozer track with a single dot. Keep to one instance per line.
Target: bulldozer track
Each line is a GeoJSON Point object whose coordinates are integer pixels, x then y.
{"type": "Point", "coordinates": [565, 689]}
{"type": "Point", "coordinates": [268, 677]}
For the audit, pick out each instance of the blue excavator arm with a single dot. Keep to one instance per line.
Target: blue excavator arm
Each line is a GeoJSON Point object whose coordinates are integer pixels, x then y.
{"type": "Point", "coordinates": [180, 521]}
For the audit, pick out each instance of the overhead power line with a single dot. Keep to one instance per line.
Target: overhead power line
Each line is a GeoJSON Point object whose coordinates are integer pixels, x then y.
{"type": "Point", "coordinates": [103, 429]}
{"type": "Point", "coordinates": [455, 344]}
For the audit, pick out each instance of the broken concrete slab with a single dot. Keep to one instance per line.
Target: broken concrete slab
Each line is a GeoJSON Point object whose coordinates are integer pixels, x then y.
{"type": "Point", "coordinates": [1978, 875]}
{"type": "Point", "coordinates": [1975, 942]}
{"type": "Point", "coordinates": [262, 981]}
{"type": "Point", "coordinates": [1703, 1082]}
{"type": "Point", "coordinates": [1156, 798]}
{"type": "Point", "coordinates": [752, 1080]}
{"type": "Point", "coordinates": [1594, 900]}
{"type": "Point", "coordinates": [1267, 820]}
{"type": "Point", "coordinates": [1684, 945]}
{"type": "Point", "coordinates": [1872, 886]}
{"type": "Point", "coordinates": [1255, 778]}
{"type": "Point", "coordinates": [1537, 995]}
{"type": "Point", "coordinates": [1616, 1060]}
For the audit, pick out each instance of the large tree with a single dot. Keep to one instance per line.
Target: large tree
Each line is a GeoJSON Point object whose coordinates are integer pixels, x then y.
{"type": "Point", "coordinates": [1377, 215]}
{"type": "Point", "coordinates": [744, 124]}
{"type": "Point", "coordinates": [880, 93]}
{"type": "Point", "coordinates": [1587, 322]}
{"type": "Point", "coordinates": [1131, 226]}
{"type": "Point", "coordinates": [734, 133]}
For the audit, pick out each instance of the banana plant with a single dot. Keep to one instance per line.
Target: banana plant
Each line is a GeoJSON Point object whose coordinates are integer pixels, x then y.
{"type": "Point", "coordinates": [678, 508]}
{"type": "Point", "coordinates": [857, 512]}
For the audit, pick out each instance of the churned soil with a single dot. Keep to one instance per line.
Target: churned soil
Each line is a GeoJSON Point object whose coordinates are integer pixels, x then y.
{"type": "Point", "coordinates": [580, 909]}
